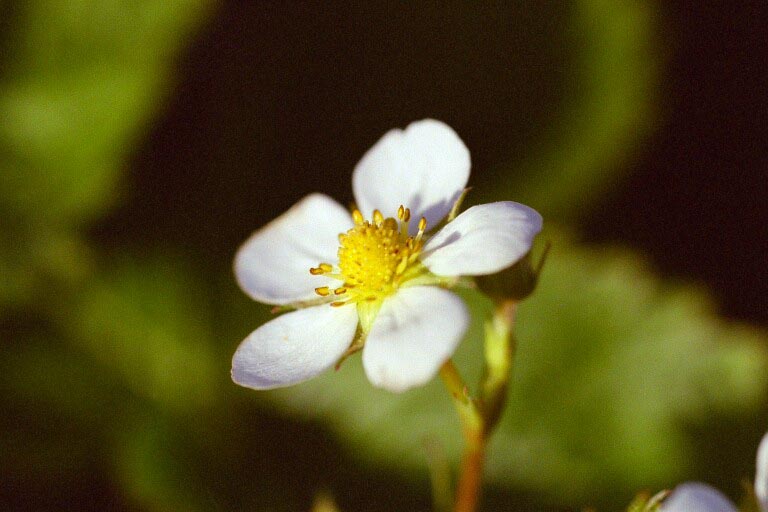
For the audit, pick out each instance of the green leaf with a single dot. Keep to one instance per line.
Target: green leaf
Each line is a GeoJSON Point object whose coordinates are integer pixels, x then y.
{"type": "Point", "coordinates": [36, 258]}
{"type": "Point", "coordinates": [82, 79]}
{"type": "Point", "coordinates": [80, 83]}
{"type": "Point", "coordinates": [611, 364]}
{"type": "Point", "coordinates": [152, 468]}
{"type": "Point", "coordinates": [607, 107]}
{"type": "Point", "coordinates": [146, 322]}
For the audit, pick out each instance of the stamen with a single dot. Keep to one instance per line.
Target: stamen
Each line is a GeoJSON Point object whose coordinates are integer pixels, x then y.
{"type": "Point", "coordinates": [322, 268]}
{"type": "Point", "coordinates": [401, 266]}
{"type": "Point", "coordinates": [390, 224]}
{"type": "Point", "coordinates": [375, 258]}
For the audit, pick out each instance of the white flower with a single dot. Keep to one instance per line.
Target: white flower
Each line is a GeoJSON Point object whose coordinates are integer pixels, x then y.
{"type": "Point", "coordinates": [698, 497]}
{"type": "Point", "coordinates": [381, 281]}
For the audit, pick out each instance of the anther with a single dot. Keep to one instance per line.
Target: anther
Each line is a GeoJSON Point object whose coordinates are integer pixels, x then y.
{"type": "Point", "coordinates": [422, 224]}
{"type": "Point", "coordinates": [407, 215]}
{"type": "Point", "coordinates": [323, 291]}
{"type": "Point", "coordinates": [357, 216]}
{"type": "Point", "coordinates": [378, 218]}
{"type": "Point", "coordinates": [400, 212]}
{"type": "Point", "coordinates": [322, 268]}
{"type": "Point", "coordinates": [339, 291]}
{"type": "Point", "coordinates": [338, 303]}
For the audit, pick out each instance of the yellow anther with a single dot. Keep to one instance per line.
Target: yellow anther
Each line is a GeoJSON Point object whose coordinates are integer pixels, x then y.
{"type": "Point", "coordinates": [322, 268]}
{"type": "Point", "coordinates": [407, 215]}
{"type": "Point", "coordinates": [323, 291]}
{"type": "Point", "coordinates": [357, 216]}
{"type": "Point", "coordinates": [338, 303]}
{"type": "Point", "coordinates": [378, 218]}
{"type": "Point", "coordinates": [422, 224]}
{"type": "Point", "coordinates": [389, 223]}
{"type": "Point", "coordinates": [340, 291]}
{"type": "Point", "coordinates": [400, 212]}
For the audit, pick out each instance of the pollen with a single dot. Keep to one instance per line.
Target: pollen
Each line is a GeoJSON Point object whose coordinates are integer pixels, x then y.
{"type": "Point", "coordinates": [374, 258]}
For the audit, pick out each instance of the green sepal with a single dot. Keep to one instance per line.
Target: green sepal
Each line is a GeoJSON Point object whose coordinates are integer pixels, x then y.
{"type": "Point", "coordinates": [516, 282]}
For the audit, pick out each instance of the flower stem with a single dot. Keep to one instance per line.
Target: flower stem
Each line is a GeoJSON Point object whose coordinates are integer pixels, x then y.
{"type": "Point", "coordinates": [471, 419]}
{"type": "Point", "coordinates": [479, 417]}
{"type": "Point", "coordinates": [468, 487]}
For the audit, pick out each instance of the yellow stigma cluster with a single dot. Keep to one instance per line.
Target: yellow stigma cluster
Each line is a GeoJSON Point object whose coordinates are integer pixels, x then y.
{"type": "Point", "coordinates": [375, 257]}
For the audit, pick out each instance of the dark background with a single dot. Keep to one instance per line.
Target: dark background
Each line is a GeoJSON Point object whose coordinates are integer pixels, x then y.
{"type": "Point", "coordinates": [288, 97]}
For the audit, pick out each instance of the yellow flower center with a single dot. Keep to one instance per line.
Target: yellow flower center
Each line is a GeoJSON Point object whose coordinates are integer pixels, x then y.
{"type": "Point", "coordinates": [375, 258]}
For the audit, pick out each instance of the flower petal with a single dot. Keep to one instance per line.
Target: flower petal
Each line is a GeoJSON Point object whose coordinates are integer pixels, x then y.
{"type": "Point", "coordinates": [294, 347]}
{"type": "Point", "coordinates": [483, 240]}
{"type": "Point", "coordinates": [696, 497]}
{"type": "Point", "coordinates": [761, 476]}
{"type": "Point", "coordinates": [424, 167]}
{"type": "Point", "coordinates": [415, 332]}
{"type": "Point", "coordinates": [272, 266]}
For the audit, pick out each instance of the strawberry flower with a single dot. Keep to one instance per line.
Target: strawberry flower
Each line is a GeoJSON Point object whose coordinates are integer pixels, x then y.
{"type": "Point", "coordinates": [374, 279]}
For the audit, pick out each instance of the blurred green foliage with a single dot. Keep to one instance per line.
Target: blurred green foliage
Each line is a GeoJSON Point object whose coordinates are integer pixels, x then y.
{"type": "Point", "coordinates": [80, 83]}
{"type": "Point", "coordinates": [609, 106]}
{"type": "Point", "coordinates": [114, 367]}
{"type": "Point", "coordinates": [154, 305]}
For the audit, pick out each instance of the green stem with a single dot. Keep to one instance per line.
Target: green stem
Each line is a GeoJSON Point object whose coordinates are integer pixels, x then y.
{"type": "Point", "coordinates": [478, 419]}
{"type": "Point", "coordinates": [471, 419]}
{"type": "Point", "coordinates": [468, 487]}
{"type": "Point", "coordinates": [499, 354]}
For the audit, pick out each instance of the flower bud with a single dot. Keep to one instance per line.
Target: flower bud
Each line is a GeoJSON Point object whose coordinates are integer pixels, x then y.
{"type": "Point", "coordinates": [513, 283]}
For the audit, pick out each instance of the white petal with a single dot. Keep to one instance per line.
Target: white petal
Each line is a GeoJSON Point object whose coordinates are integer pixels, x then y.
{"type": "Point", "coordinates": [415, 332]}
{"type": "Point", "coordinates": [483, 240]}
{"type": "Point", "coordinates": [294, 347]}
{"type": "Point", "coordinates": [424, 167]}
{"type": "Point", "coordinates": [272, 266]}
{"type": "Point", "coordinates": [761, 477]}
{"type": "Point", "coordinates": [696, 497]}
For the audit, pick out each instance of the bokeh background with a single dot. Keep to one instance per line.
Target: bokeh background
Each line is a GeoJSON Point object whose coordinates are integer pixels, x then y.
{"type": "Point", "coordinates": [142, 141]}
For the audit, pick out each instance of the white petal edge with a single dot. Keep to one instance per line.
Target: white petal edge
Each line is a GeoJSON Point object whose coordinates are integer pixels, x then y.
{"type": "Point", "coordinates": [483, 240]}
{"type": "Point", "coordinates": [294, 347]}
{"type": "Point", "coordinates": [424, 167]}
{"type": "Point", "coordinates": [272, 266]}
{"type": "Point", "coordinates": [697, 497]}
{"type": "Point", "coordinates": [761, 475]}
{"type": "Point", "coordinates": [415, 332]}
